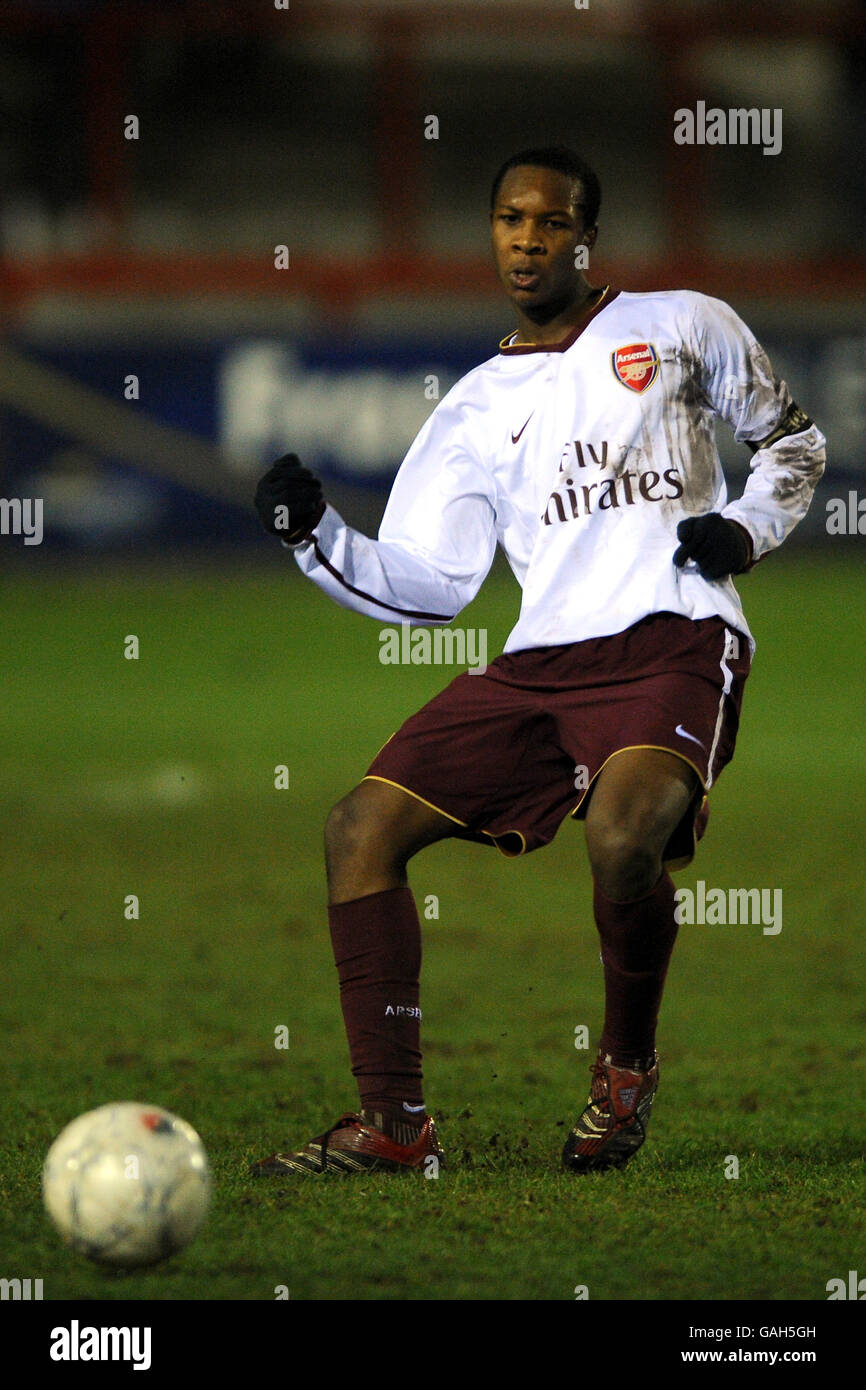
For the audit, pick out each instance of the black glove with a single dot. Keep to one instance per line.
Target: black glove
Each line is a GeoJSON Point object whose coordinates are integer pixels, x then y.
{"type": "Point", "coordinates": [288, 484]}
{"type": "Point", "coordinates": [717, 546]}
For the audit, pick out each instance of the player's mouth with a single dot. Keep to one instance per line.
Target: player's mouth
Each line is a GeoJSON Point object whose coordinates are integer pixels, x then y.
{"type": "Point", "coordinates": [523, 279]}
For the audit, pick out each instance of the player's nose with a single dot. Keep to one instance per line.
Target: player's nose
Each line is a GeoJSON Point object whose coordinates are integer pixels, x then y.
{"type": "Point", "coordinates": [526, 242]}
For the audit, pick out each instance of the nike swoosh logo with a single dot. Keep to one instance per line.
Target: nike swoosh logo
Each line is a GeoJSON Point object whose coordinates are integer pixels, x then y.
{"type": "Point", "coordinates": [682, 733]}
{"type": "Point", "coordinates": [515, 437]}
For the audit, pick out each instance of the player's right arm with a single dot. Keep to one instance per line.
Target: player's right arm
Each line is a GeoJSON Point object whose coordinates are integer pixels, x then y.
{"type": "Point", "coordinates": [437, 538]}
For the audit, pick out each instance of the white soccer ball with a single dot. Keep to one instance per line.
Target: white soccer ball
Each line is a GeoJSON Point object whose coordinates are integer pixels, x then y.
{"type": "Point", "coordinates": [127, 1184]}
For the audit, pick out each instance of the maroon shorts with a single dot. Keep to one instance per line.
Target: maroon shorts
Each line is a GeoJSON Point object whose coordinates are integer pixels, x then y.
{"type": "Point", "coordinates": [508, 754]}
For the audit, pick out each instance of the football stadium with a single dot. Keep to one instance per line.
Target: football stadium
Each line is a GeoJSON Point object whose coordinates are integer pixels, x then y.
{"type": "Point", "coordinates": [233, 232]}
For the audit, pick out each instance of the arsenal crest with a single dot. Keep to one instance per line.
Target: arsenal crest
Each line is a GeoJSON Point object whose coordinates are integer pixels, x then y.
{"type": "Point", "coordinates": [636, 366]}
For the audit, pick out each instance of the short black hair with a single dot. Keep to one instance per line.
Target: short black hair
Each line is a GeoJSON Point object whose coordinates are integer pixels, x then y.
{"type": "Point", "coordinates": [565, 161]}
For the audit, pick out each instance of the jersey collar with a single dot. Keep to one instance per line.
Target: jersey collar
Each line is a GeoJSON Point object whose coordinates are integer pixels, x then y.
{"type": "Point", "coordinates": [512, 349]}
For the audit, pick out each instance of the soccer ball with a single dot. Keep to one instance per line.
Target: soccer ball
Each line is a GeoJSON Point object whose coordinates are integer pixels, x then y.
{"type": "Point", "coordinates": [127, 1184]}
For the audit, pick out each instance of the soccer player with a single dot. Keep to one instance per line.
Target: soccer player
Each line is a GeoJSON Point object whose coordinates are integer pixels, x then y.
{"type": "Point", "coordinates": [585, 448]}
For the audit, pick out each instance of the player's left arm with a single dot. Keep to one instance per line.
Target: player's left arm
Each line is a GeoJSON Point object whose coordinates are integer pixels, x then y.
{"type": "Point", "coordinates": [788, 449]}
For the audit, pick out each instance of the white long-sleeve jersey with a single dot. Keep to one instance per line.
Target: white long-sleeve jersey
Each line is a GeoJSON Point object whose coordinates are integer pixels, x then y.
{"type": "Point", "coordinates": [579, 460]}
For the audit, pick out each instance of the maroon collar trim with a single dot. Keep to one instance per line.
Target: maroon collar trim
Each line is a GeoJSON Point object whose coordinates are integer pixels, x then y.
{"type": "Point", "coordinates": [512, 349]}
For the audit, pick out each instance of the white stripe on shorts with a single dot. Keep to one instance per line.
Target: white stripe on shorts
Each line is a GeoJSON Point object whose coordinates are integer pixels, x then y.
{"type": "Point", "coordinates": [730, 648]}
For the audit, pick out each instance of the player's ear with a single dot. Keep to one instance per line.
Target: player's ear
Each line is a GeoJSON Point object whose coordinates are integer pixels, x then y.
{"type": "Point", "coordinates": [589, 237]}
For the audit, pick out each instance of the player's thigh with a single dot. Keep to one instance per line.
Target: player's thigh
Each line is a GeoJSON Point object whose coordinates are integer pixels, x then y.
{"type": "Point", "coordinates": [379, 820]}
{"type": "Point", "coordinates": [639, 799]}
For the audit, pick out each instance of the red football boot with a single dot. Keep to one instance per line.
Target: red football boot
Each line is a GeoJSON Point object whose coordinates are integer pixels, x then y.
{"type": "Point", "coordinates": [614, 1123]}
{"type": "Point", "coordinates": [353, 1145]}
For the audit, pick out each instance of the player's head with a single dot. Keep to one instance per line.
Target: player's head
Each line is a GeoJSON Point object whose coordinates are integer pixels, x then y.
{"type": "Point", "coordinates": [544, 205]}
{"type": "Point", "coordinates": [586, 187]}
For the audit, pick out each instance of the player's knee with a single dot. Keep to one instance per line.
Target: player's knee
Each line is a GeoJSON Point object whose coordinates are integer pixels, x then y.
{"type": "Point", "coordinates": [343, 829]}
{"type": "Point", "coordinates": [624, 865]}
{"type": "Point", "coordinates": [354, 831]}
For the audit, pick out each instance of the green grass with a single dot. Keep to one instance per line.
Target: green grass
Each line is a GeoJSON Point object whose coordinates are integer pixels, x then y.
{"type": "Point", "coordinates": [155, 777]}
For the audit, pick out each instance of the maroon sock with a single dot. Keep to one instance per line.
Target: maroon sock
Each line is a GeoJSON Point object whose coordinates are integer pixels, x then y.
{"type": "Point", "coordinates": [637, 939]}
{"type": "Point", "coordinates": [377, 949]}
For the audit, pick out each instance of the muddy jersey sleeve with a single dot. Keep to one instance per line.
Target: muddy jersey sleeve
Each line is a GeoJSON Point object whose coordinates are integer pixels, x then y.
{"type": "Point", "coordinates": [788, 450]}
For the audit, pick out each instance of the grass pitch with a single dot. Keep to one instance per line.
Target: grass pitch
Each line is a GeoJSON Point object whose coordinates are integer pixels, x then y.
{"type": "Point", "coordinates": [155, 777]}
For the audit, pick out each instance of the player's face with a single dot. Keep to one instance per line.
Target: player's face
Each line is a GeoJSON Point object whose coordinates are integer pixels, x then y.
{"type": "Point", "coordinates": [536, 228]}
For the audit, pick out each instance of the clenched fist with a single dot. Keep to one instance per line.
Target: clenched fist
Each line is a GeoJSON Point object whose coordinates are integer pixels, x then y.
{"type": "Point", "coordinates": [289, 500]}
{"type": "Point", "coordinates": [717, 546]}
